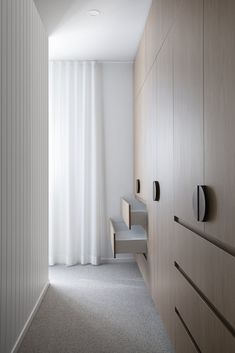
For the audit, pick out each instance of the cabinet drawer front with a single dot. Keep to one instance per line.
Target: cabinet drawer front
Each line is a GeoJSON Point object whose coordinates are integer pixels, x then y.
{"type": "Point", "coordinates": [211, 269]}
{"type": "Point", "coordinates": [125, 241]}
{"type": "Point", "coordinates": [131, 246]}
{"type": "Point", "coordinates": [126, 212]}
{"type": "Point", "coordinates": [112, 237]}
{"type": "Point", "coordinates": [134, 212]}
{"type": "Point", "coordinates": [209, 333]}
{"type": "Point", "coordinates": [183, 342]}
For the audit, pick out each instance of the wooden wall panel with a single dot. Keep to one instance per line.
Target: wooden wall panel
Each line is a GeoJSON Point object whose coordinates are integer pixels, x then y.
{"type": "Point", "coordinates": [24, 166]}
{"type": "Point", "coordinates": [3, 172]}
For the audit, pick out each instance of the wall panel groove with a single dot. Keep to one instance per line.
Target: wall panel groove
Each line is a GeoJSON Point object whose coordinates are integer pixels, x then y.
{"type": "Point", "coordinates": [24, 165]}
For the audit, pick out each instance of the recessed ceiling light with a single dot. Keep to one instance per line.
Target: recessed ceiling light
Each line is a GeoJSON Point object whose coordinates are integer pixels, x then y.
{"type": "Point", "coordinates": [94, 12]}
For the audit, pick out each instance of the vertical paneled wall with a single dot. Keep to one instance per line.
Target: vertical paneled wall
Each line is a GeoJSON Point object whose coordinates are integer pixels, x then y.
{"type": "Point", "coordinates": [24, 166]}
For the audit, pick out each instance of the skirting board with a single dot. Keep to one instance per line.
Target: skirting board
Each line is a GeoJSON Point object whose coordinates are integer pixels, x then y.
{"type": "Point", "coordinates": [31, 316]}
{"type": "Point", "coordinates": [143, 267]}
{"type": "Point", "coordinates": [120, 260]}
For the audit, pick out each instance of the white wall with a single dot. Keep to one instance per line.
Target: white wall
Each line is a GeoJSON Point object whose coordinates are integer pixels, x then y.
{"type": "Point", "coordinates": [24, 166]}
{"type": "Point", "coordinates": [118, 120]}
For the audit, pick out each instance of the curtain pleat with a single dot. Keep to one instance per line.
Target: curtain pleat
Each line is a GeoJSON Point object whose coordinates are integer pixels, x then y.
{"type": "Point", "coordinates": [76, 163]}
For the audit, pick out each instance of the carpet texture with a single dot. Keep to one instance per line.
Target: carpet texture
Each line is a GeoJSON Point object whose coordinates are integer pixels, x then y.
{"type": "Point", "coordinates": [104, 309]}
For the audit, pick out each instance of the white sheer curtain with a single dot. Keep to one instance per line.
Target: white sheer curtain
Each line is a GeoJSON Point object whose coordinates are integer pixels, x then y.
{"type": "Point", "coordinates": [76, 196]}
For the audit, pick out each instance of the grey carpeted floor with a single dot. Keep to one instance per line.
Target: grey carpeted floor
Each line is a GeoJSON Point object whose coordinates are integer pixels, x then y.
{"type": "Point", "coordinates": [104, 309]}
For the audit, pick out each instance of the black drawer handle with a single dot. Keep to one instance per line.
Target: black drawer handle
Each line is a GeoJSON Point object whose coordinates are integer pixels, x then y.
{"type": "Point", "coordinates": [137, 186]}
{"type": "Point", "coordinates": [200, 203]}
{"type": "Point", "coordinates": [156, 191]}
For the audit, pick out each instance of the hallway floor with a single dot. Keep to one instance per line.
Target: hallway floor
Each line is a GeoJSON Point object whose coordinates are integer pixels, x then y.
{"type": "Point", "coordinates": [103, 309]}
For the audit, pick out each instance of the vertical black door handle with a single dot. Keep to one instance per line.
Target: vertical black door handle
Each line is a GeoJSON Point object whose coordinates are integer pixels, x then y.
{"type": "Point", "coordinates": [156, 191]}
{"type": "Point", "coordinates": [200, 203]}
{"type": "Point", "coordinates": [137, 186]}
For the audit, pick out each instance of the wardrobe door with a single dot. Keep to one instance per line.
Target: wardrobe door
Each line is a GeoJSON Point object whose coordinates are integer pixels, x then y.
{"type": "Point", "coordinates": [150, 170]}
{"type": "Point", "coordinates": [138, 114]}
{"type": "Point", "coordinates": [144, 169]}
{"type": "Point", "coordinates": [140, 128]}
{"type": "Point", "coordinates": [140, 66]}
{"type": "Point", "coordinates": [188, 107]}
{"type": "Point", "coordinates": [160, 20]}
{"type": "Point", "coordinates": [164, 176]}
{"type": "Point", "coordinates": [153, 32]}
{"type": "Point", "coordinates": [219, 60]}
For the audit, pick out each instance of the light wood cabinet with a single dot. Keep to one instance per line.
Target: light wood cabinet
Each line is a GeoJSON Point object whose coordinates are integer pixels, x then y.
{"type": "Point", "coordinates": [219, 79]}
{"type": "Point", "coordinates": [209, 333]}
{"type": "Point", "coordinates": [188, 107]}
{"type": "Point", "coordinates": [143, 138]}
{"type": "Point", "coordinates": [153, 33]}
{"type": "Point", "coordinates": [210, 268]}
{"type": "Point", "coordinates": [160, 20]}
{"type": "Point", "coordinates": [126, 241]}
{"type": "Point", "coordinates": [133, 212]}
{"type": "Point", "coordinates": [184, 137]}
{"type": "Point", "coordinates": [183, 341]}
{"type": "Point", "coordinates": [144, 167]}
{"type": "Point", "coordinates": [150, 172]}
{"type": "Point", "coordinates": [148, 167]}
{"type": "Point", "coordinates": [139, 142]}
{"type": "Point", "coordinates": [140, 66]}
{"type": "Point", "coordinates": [164, 175]}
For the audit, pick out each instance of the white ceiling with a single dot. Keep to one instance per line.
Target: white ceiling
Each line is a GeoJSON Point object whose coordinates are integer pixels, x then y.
{"type": "Point", "coordinates": [113, 35]}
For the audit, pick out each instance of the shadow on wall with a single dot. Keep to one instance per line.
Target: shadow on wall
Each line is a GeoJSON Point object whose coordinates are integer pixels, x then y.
{"type": "Point", "coordinates": [56, 12]}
